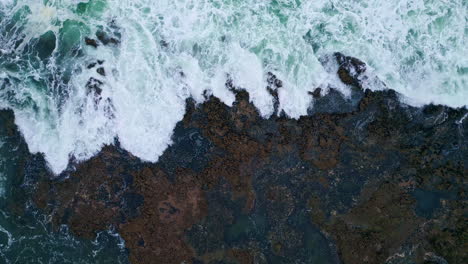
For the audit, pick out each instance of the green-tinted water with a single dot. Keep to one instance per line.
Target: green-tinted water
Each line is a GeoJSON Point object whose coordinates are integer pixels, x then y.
{"type": "Point", "coordinates": [25, 234]}
{"type": "Point", "coordinates": [416, 47]}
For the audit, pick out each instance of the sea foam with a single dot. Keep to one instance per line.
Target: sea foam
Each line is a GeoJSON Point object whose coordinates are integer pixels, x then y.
{"type": "Point", "coordinates": [163, 52]}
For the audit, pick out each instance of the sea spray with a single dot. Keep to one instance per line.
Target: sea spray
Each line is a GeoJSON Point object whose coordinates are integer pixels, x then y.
{"type": "Point", "coordinates": [79, 74]}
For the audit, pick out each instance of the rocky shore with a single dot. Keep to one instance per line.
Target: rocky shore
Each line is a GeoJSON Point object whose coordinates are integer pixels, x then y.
{"type": "Point", "coordinates": [364, 179]}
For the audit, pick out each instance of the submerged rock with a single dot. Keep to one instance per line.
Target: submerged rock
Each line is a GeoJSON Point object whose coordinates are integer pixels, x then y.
{"type": "Point", "coordinates": [94, 85]}
{"type": "Point", "coordinates": [106, 39]}
{"type": "Point", "coordinates": [91, 42]}
{"type": "Point", "coordinates": [350, 69]}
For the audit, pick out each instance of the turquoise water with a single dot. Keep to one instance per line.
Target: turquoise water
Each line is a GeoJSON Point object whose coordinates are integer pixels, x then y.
{"type": "Point", "coordinates": [163, 52]}
{"type": "Point", "coordinates": [156, 54]}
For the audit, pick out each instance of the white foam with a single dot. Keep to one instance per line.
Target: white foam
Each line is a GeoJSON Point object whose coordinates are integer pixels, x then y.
{"type": "Point", "coordinates": [247, 72]}
{"type": "Point", "coordinates": [415, 46]}
{"type": "Point", "coordinates": [173, 50]}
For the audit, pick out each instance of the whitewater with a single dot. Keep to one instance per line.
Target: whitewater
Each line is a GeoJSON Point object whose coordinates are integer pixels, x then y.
{"type": "Point", "coordinates": [79, 74]}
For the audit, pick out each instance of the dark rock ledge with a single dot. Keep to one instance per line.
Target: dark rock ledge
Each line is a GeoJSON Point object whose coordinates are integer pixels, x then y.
{"type": "Point", "coordinates": [361, 180]}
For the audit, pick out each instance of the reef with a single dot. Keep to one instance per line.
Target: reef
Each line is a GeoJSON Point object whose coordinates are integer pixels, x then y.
{"type": "Point", "coordinates": [363, 179]}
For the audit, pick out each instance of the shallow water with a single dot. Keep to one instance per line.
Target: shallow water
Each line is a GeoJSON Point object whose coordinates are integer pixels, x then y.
{"type": "Point", "coordinates": [26, 235]}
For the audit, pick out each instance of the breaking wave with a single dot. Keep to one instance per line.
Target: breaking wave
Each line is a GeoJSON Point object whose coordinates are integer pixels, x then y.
{"type": "Point", "coordinates": [79, 74]}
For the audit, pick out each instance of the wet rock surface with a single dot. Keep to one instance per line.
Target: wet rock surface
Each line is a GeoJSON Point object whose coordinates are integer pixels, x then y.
{"type": "Point", "coordinates": [378, 182]}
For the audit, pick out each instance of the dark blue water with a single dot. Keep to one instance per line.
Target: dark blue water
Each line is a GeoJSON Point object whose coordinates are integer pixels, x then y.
{"type": "Point", "coordinates": [26, 236]}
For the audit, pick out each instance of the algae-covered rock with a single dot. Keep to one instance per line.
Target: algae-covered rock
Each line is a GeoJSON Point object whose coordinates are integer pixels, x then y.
{"type": "Point", "coordinates": [377, 182]}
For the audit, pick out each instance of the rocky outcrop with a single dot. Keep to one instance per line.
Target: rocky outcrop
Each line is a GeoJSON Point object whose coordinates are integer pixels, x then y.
{"type": "Point", "coordinates": [377, 182]}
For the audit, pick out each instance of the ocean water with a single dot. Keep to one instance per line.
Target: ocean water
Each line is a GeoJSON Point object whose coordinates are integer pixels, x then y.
{"type": "Point", "coordinates": [156, 54]}
{"type": "Point", "coordinates": [26, 235]}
